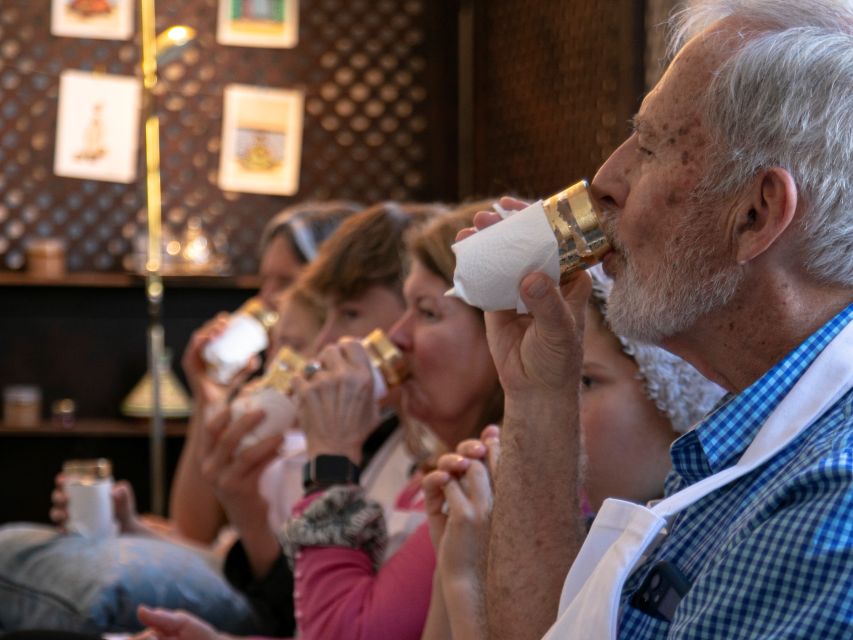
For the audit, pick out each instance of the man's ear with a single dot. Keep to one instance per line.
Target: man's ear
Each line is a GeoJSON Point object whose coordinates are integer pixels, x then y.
{"type": "Point", "coordinates": [765, 214]}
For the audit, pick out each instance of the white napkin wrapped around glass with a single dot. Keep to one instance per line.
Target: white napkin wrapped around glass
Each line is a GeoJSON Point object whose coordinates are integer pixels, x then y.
{"type": "Point", "coordinates": [491, 263]}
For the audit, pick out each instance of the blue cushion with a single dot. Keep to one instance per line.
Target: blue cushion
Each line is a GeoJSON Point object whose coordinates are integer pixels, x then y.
{"type": "Point", "coordinates": [59, 581]}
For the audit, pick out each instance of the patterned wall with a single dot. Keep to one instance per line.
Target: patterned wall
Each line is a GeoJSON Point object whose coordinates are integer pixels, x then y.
{"type": "Point", "coordinates": [556, 85]}
{"type": "Point", "coordinates": [379, 77]}
{"type": "Point", "coordinates": [657, 12]}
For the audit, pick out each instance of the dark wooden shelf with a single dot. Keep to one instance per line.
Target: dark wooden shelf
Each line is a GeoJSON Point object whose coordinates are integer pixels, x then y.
{"type": "Point", "coordinates": [126, 280]}
{"type": "Point", "coordinates": [84, 337]}
{"type": "Point", "coordinates": [94, 427]}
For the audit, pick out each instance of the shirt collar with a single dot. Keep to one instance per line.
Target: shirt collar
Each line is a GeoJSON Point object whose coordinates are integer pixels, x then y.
{"type": "Point", "coordinates": [723, 436]}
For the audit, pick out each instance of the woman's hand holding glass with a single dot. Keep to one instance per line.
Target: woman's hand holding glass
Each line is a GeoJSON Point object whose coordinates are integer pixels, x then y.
{"type": "Point", "coordinates": [206, 391]}
{"type": "Point", "coordinates": [235, 474]}
{"type": "Point", "coordinates": [335, 406]}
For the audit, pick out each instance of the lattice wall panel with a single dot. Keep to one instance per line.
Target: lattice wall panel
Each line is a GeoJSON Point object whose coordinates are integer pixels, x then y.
{"type": "Point", "coordinates": [379, 84]}
{"type": "Point", "coordinates": [657, 14]}
{"type": "Point", "coordinates": [557, 83]}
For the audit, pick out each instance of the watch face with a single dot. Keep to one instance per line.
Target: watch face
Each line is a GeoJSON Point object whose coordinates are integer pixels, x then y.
{"type": "Point", "coordinates": [326, 471]}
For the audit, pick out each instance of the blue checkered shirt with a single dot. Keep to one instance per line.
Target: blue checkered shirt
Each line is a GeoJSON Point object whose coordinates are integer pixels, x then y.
{"type": "Point", "coordinates": [770, 555]}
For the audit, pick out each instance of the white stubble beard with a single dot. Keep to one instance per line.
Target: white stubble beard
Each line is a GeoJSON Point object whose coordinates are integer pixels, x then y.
{"type": "Point", "coordinates": [690, 279]}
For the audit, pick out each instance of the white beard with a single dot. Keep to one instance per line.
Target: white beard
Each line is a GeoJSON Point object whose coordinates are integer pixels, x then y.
{"type": "Point", "coordinates": [691, 279]}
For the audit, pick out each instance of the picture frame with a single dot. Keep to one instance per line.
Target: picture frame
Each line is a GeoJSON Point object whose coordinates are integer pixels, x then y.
{"type": "Point", "coordinates": [261, 140]}
{"type": "Point", "coordinates": [104, 19]}
{"type": "Point", "coordinates": [258, 23]}
{"type": "Point", "coordinates": [97, 134]}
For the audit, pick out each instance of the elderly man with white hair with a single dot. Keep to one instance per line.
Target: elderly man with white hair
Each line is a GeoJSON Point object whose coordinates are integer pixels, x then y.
{"type": "Point", "coordinates": [730, 214]}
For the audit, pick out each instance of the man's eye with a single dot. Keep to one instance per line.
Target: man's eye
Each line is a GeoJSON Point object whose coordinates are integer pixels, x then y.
{"type": "Point", "coordinates": [586, 381]}
{"type": "Point", "coordinates": [350, 314]}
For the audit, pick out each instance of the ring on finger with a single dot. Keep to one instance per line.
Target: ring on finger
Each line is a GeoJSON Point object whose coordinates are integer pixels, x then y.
{"type": "Point", "coordinates": [311, 369]}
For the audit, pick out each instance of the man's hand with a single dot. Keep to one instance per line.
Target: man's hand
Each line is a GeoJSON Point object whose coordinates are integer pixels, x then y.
{"type": "Point", "coordinates": [538, 358]}
{"type": "Point", "coordinates": [541, 352]}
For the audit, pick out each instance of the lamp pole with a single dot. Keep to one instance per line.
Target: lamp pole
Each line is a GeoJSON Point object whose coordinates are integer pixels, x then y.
{"type": "Point", "coordinates": [153, 278]}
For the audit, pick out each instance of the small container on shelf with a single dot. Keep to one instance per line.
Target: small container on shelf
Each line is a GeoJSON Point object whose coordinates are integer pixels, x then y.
{"type": "Point", "coordinates": [63, 413]}
{"type": "Point", "coordinates": [22, 406]}
{"type": "Point", "coordinates": [46, 258]}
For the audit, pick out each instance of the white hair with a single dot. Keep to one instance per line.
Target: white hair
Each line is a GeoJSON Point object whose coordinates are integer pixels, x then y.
{"type": "Point", "coordinates": [784, 98]}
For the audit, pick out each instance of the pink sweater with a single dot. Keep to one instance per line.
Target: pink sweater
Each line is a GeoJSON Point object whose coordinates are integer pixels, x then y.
{"type": "Point", "coordinates": [338, 595]}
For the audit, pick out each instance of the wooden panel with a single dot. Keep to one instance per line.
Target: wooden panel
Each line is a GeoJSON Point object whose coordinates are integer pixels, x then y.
{"type": "Point", "coordinates": [657, 13]}
{"type": "Point", "coordinates": [556, 85]}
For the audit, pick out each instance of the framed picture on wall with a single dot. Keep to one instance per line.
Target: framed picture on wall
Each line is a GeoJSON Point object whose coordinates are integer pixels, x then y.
{"type": "Point", "coordinates": [97, 129]}
{"type": "Point", "coordinates": [106, 19]}
{"type": "Point", "coordinates": [261, 140]}
{"type": "Point", "coordinates": [258, 23]}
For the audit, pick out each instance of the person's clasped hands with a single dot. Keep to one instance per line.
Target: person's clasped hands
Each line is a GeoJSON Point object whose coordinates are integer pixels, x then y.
{"type": "Point", "coordinates": [458, 495]}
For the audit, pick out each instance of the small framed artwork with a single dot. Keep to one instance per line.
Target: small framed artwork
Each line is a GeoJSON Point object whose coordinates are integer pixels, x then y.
{"type": "Point", "coordinates": [97, 132]}
{"type": "Point", "coordinates": [261, 140]}
{"type": "Point", "coordinates": [105, 19]}
{"type": "Point", "coordinates": [258, 23]}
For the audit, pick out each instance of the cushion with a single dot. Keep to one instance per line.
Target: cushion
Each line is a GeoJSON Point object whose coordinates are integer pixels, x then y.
{"type": "Point", "coordinates": [50, 580]}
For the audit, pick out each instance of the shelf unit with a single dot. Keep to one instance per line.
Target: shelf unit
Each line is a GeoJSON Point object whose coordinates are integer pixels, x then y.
{"type": "Point", "coordinates": [124, 280]}
{"type": "Point", "coordinates": [83, 337]}
{"type": "Point", "coordinates": [94, 428]}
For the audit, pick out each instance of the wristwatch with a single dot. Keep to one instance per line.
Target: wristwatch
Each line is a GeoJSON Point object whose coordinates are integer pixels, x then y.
{"type": "Point", "coordinates": [324, 471]}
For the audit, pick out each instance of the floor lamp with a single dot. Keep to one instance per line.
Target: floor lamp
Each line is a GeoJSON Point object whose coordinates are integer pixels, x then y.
{"type": "Point", "coordinates": [154, 49]}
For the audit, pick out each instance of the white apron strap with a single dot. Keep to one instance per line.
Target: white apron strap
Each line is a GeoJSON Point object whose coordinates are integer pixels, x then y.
{"type": "Point", "coordinates": [624, 530]}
